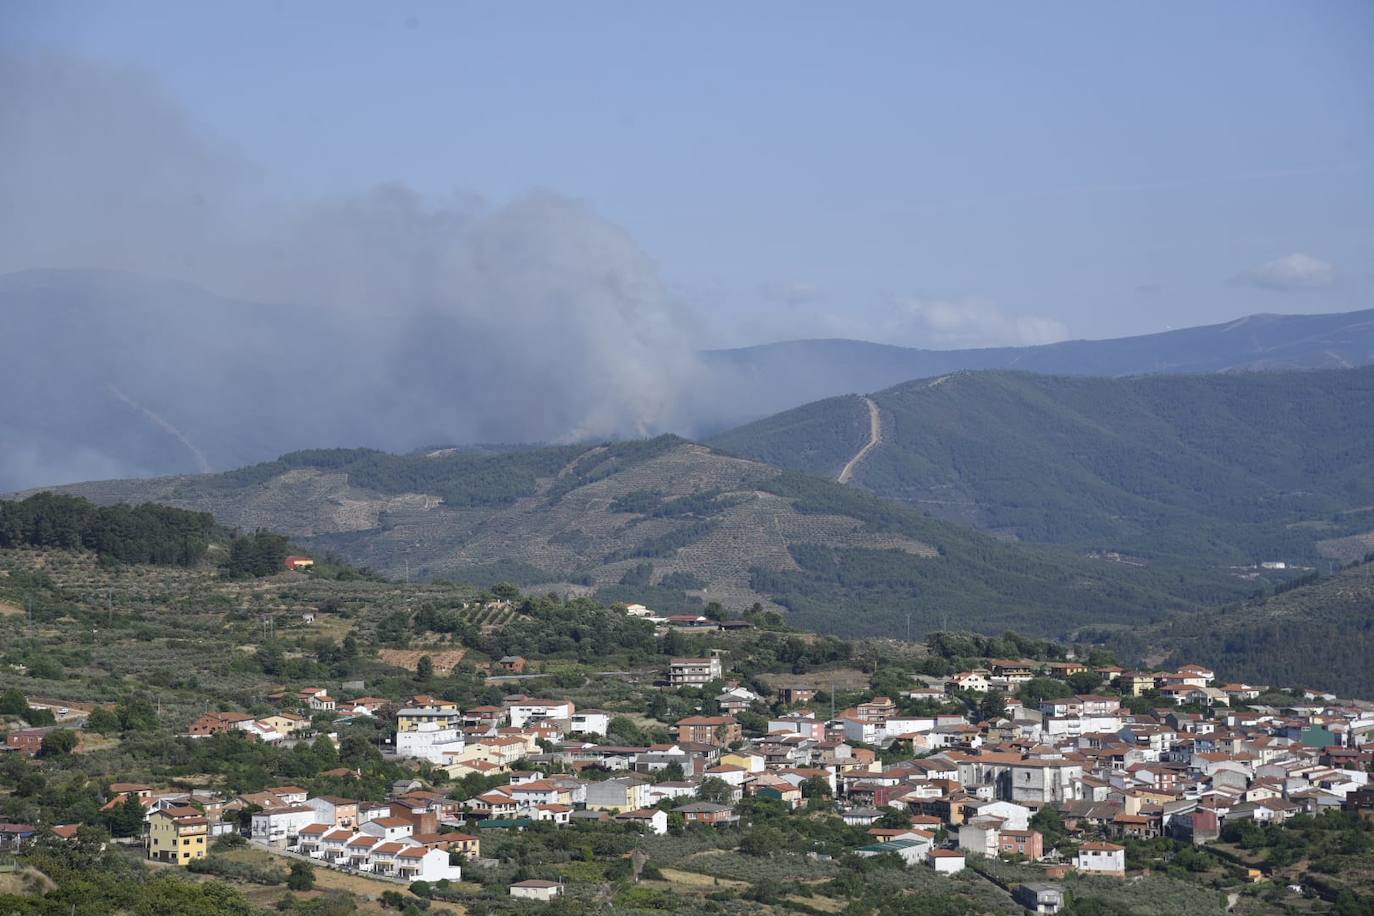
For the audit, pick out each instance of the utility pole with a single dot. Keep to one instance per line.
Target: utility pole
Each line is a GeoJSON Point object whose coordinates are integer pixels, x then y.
{"type": "Point", "coordinates": [908, 627]}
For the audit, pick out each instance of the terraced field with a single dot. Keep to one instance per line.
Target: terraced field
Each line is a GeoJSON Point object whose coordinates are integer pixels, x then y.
{"type": "Point", "coordinates": [176, 630]}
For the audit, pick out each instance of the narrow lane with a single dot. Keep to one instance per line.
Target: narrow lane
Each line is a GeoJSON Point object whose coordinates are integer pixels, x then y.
{"type": "Point", "coordinates": [875, 435]}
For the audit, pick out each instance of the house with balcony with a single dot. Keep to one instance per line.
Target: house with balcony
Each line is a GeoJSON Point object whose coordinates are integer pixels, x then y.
{"type": "Point", "coordinates": [693, 672]}
{"type": "Point", "coordinates": [177, 835]}
{"type": "Point", "coordinates": [281, 825]}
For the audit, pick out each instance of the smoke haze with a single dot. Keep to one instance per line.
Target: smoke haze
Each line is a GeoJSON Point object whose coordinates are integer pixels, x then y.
{"type": "Point", "coordinates": [396, 321]}
{"type": "Point", "coordinates": [168, 305]}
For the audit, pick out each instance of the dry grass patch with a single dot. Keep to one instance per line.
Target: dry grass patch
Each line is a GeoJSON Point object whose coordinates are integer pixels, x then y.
{"type": "Point", "coordinates": [837, 679]}
{"type": "Point", "coordinates": [26, 882]}
{"type": "Point", "coordinates": [694, 881]}
{"type": "Point", "coordinates": [445, 660]}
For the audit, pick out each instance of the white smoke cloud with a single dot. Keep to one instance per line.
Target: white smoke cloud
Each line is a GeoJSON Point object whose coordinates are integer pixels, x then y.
{"type": "Point", "coordinates": [967, 322]}
{"type": "Point", "coordinates": [1290, 273]}
{"type": "Point", "coordinates": [447, 320]}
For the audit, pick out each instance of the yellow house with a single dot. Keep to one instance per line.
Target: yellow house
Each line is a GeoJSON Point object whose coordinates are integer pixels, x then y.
{"type": "Point", "coordinates": [1135, 683]}
{"type": "Point", "coordinates": [286, 723]}
{"type": "Point", "coordinates": [411, 719]}
{"type": "Point", "coordinates": [745, 760]}
{"type": "Point", "coordinates": [177, 835]}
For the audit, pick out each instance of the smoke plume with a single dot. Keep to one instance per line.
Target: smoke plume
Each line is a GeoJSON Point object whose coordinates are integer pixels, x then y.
{"type": "Point", "coordinates": [242, 321]}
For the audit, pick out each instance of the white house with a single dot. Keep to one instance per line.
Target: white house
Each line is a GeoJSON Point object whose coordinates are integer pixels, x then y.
{"type": "Point", "coordinates": [947, 861]}
{"type": "Point", "coordinates": [261, 731]}
{"type": "Point", "coordinates": [416, 863]}
{"type": "Point", "coordinates": [389, 829]}
{"type": "Point", "coordinates": [862, 730]}
{"type": "Point", "coordinates": [805, 724]}
{"type": "Point", "coordinates": [590, 722]}
{"type": "Point", "coordinates": [1039, 782]}
{"type": "Point", "coordinates": [536, 890]}
{"type": "Point", "coordinates": [655, 820]}
{"type": "Point", "coordinates": [529, 709]}
{"type": "Point", "coordinates": [729, 774]}
{"type": "Point", "coordinates": [910, 849]}
{"type": "Point", "coordinates": [1012, 815]}
{"type": "Point", "coordinates": [430, 741]}
{"type": "Point", "coordinates": [1101, 859]}
{"type": "Point", "coordinates": [658, 791]}
{"type": "Point", "coordinates": [975, 681]}
{"type": "Point", "coordinates": [358, 851]}
{"type": "Point", "coordinates": [908, 725]}
{"type": "Point", "coordinates": [338, 812]}
{"type": "Point", "coordinates": [981, 836]}
{"type": "Point", "coordinates": [280, 825]}
{"type": "Point", "coordinates": [333, 847]}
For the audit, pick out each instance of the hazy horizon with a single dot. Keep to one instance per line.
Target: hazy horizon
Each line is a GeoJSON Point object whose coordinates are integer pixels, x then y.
{"type": "Point", "coordinates": [525, 223]}
{"type": "Point", "coordinates": [916, 175]}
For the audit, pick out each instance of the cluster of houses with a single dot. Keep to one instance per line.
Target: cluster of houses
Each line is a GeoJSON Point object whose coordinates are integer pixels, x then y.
{"type": "Point", "coordinates": [286, 723]}
{"type": "Point", "coordinates": [1189, 685]}
{"type": "Point", "coordinates": [399, 838]}
{"type": "Point", "coordinates": [959, 788]}
{"type": "Point", "coordinates": [697, 623]}
{"type": "Point", "coordinates": [1111, 773]}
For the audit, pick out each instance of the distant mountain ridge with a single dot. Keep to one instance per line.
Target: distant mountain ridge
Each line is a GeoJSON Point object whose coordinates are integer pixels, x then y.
{"type": "Point", "coordinates": [1234, 467]}
{"type": "Point", "coordinates": [809, 370]}
{"type": "Point", "coordinates": [113, 375]}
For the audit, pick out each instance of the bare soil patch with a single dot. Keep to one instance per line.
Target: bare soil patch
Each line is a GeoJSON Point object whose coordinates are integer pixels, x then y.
{"type": "Point", "coordinates": [444, 659]}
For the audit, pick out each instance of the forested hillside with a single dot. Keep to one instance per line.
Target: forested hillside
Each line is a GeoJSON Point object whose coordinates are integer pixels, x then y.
{"type": "Point", "coordinates": [1319, 635]}
{"type": "Point", "coordinates": [1235, 468]}
{"type": "Point", "coordinates": [677, 525]}
{"type": "Point", "coordinates": [131, 534]}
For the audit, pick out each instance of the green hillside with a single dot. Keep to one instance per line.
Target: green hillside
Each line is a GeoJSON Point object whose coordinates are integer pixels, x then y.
{"type": "Point", "coordinates": [1319, 635]}
{"type": "Point", "coordinates": [677, 525]}
{"type": "Point", "coordinates": [1234, 468]}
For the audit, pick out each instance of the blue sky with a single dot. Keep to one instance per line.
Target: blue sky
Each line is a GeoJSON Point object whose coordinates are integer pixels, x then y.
{"type": "Point", "coordinates": [924, 174]}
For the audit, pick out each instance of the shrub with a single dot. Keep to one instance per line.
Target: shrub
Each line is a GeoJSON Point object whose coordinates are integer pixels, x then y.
{"type": "Point", "coordinates": [302, 877]}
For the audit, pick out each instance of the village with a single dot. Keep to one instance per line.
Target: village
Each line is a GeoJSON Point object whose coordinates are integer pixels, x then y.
{"type": "Point", "coordinates": [1062, 784]}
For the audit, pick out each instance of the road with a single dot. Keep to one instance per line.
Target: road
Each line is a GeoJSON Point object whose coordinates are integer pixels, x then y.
{"type": "Point", "coordinates": [875, 436]}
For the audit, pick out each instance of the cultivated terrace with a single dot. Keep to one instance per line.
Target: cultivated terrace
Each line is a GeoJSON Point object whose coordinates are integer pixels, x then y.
{"type": "Point", "coordinates": [246, 730]}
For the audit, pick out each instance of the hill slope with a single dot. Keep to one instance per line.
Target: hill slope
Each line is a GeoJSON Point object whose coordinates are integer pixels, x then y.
{"type": "Point", "coordinates": [1235, 467]}
{"type": "Point", "coordinates": [1320, 635]}
{"type": "Point", "coordinates": [777, 376]}
{"type": "Point", "coordinates": [667, 521]}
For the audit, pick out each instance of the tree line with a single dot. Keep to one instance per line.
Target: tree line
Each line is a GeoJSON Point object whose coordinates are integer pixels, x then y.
{"type": "Point", "coordinates": [146, 533]}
